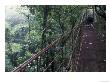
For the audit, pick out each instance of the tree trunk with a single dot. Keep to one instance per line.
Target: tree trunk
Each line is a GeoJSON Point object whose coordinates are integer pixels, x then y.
{"type": "Point", "coordinates": [44, 41]}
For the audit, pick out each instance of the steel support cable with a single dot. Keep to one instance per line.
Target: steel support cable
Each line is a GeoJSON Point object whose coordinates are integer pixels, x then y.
{"type": "Point", "coordinates": [34, 56]}
{"type": "Point", "coordinates": [71, 53]}
{"type": "Point", "coordinates": [63, 62]}
{"type": "Point", "coordinates": [81, 19]}
{"type": "Point", "coordinates": [52, 62]}
{"type": "Point", "coordinates": [78, 31]}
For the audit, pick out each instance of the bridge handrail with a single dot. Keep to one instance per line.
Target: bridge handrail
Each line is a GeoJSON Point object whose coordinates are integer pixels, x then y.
{"type": "Point", "coordinates": [58, 40]}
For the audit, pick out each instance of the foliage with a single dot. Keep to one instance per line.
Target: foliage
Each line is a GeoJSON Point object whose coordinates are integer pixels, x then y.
{"type": "Point", "coordinates": [32, 27]}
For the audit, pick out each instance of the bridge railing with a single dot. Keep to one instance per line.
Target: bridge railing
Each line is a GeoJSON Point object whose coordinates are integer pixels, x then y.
{"type": "Point", "coordinates": [56, 57]}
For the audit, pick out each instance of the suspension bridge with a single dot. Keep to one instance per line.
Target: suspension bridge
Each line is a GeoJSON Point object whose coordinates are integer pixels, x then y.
{"type": "Point", "coordinates": [88, 50]}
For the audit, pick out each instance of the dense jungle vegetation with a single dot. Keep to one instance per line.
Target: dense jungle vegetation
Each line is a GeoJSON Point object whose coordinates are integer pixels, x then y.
{"type": "Point", "coordinates": [30, 28]}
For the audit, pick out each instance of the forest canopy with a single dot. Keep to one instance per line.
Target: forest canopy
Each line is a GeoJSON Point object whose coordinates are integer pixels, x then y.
{"type": "Point", "coordinates": [30, 28]}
